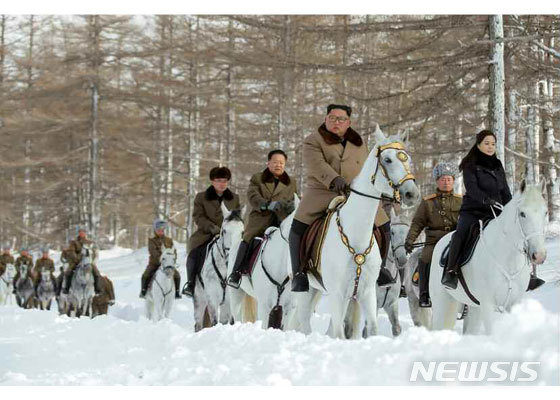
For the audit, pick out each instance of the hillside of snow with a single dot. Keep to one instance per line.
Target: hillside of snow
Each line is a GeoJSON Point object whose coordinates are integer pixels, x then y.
{"type": "Point", "coordinates": [43, 348]}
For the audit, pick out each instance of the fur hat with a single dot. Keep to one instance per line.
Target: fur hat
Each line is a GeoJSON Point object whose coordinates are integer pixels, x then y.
{"type": "Point", "coordinates": [81, 228]}
{"type": "Point", "coordinates": [444, 168]}
{"type": "Point", "coordinates": [220, 173]}
{"type": "Point", "coordinates": [159, 224]}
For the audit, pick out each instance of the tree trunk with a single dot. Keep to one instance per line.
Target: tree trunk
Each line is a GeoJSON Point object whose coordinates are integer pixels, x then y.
{"type": "Point", "coordinates": [497, 79]}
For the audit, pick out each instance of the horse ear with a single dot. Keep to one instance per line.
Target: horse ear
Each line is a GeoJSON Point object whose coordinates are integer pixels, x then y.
{"type": "Point", "coordinates": [404, 136]}
{"type": "Point", "coordinates": [225, 210]}
{"type": "Point", "coordinates": [378, 135]}
{"type": "Point", "coordinates": [522, 186]}
{"type": "Point", "coordinates": [243, 210]}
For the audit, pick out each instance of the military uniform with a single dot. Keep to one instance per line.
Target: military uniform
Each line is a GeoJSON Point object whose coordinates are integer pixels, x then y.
{"type": "Point", "coordinates": [74, 256]}
{"type": "Point", "coordinates": [5, 259]}
{"type": "Point", "coordinates": [154, 248]}
{"type": "Point", "coordinates": [438, 214]}
{"type": "Point", "coordinates": [23, 260]}
{"type": "Point", "coordinates": [40, 264]}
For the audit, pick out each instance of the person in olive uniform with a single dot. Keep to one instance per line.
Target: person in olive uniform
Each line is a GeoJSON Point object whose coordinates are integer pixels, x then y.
{"type": "Point", "coordinates": [437, 214]}
{"type": "Point", "coordinates": [45, 262]}
{"type": "Point", "coordinates": [208, 217]}
{"type": "Point", "coordinates": [155, 245]}
{"type": "Point", "coordinates": [74, 255]}
{"type": "Point", "coordinates": [24, 258]}
{"type": "Point", "coordinates": [5, 258]}
{"type": "Point", "coordinates": [271, 197]}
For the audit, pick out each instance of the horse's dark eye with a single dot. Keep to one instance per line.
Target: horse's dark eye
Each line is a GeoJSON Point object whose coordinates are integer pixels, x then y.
{"type": "Point", "coordinates": [522, 214]}
{"type": "Point", "coordinates": [388, 161]}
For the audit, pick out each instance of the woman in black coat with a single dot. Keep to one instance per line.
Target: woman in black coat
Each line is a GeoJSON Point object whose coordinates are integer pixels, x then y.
{"type": "Point", "coordinates": [486, 188]}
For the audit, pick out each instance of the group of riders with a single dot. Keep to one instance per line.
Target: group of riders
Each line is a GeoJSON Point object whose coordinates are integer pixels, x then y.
{"type": "Point", "coordinates": [70, 256]}
{"type": "Point", "coordinates": [333, 157]}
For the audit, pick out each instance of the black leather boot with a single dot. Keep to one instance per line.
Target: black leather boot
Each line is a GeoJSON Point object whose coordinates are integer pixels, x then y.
{"type": "Point", "coordinates": [450, 277]}
{"type": "Point", "coordinates": [177, 280]}
{"type": "Point", "coordinates": [300, 282]}
{"type": "Point", "coordinates": [385, 277]}
{"type": "Point", "coordinates": [234, 279]}
{"type": "Point", "coordinates": [424, 284]}
{"type": "Point", "coordinates": [68, 281]}
{"type": "Point", "coordinates": [191, 275]}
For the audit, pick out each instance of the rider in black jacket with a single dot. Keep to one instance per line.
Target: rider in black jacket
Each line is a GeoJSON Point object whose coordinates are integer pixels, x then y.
{"type": "Point", "coordinates": [486, 189]}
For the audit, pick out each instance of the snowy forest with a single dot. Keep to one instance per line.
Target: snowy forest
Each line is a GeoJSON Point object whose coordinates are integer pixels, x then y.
{"type": "Point", "coordinates": [110, 121]}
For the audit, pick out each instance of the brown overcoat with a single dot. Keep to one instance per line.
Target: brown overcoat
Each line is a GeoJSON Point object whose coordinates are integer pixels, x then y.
{"type": "Point", "coordinates": [262, 190]}
{"type": "Point", "coordinates": [207, 212]}
{"type": "Point", "coordinates": [4, 260]}
{"type": "Point", "coordinates": [43, 263]}
{"type": "Point", "coordinates": [325, 158]}
{"type": "Point", "coordinates": [438, 214]}
{"type": "Point", "coordinates": [154, 248]}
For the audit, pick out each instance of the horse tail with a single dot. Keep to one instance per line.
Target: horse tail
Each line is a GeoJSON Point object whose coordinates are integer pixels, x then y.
{"type": "Point", "coordinates": [249, 309]}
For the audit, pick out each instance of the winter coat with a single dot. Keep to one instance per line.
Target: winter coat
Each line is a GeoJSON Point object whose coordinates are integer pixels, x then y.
{"type": "Point", "coordinates": [261, 192]}
{"type": "Point", "coordinates": [154, 248]}
{"type": "Point", "coordinates": [484, 182]}
{"type": "Point", "coordinates": [207, 212]}
{"type": "Point", "coordinates": [5, 259]}
{"type": "Point", "coordinates": [325, 158]}
{"type": "Point", "coordinates": [438, 214]}
{"type": "Point", "coordinates": [43, 263]}
{"type": "Point", "coordinates": [74, 253]}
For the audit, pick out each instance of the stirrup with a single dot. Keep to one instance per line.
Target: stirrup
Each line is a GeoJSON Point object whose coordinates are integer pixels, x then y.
{"type": "Point", "coordinates": [450, 279]}
{"type": "Point", "coordinates": [187, 290]}
{"type": "Point", "coordinates": [402, 292]}
{"type": "Point", "coordinates": [300, 282]}
{"type": "Point", "coordinates": [535, 283]}
{"type": "Point", "coordinates": [142, 293]}
{"type": "Point", "coordinates": [232, 282]}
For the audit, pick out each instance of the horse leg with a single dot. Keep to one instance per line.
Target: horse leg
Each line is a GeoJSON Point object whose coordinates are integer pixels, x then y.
{"type": "Point", "coordinates": [487, 319]}
{"type": "Point", "coordinates": [236, 297]}
{"type": "Point", "coordinates": [337, 307]}
{"type": "Point", "coordinates": [368, 303]}
{"type": "Point", "coordinates": [472, 321]}
{"type": "Point", "coordinates": [304, 309]}
{"type": "Point", "coordinates": [212, 314]}
{"type": "Point", "coordinates": [392, 311]}
{"type": "Point", "coordinates": [444, 311]}
{"type": "Point", "coordinates": [263, 312]}
{"type": "Point", "coordinates": [199, 310]}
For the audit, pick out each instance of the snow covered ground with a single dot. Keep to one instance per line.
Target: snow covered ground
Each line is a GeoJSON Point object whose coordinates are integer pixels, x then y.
{"type": "Point", "coordinates": [42, 348]}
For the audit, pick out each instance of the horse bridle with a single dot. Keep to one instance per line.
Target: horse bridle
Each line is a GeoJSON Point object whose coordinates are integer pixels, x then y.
{"type": "Point", "coordinates": [403, 158]}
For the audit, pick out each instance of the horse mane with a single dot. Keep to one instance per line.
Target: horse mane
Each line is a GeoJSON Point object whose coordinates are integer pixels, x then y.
{"type": "Point", "coordinates": [235, 215]}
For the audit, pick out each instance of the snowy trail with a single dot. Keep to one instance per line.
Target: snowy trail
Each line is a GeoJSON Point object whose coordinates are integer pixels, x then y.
{"type": "Point", "coordinates": [41, 348]}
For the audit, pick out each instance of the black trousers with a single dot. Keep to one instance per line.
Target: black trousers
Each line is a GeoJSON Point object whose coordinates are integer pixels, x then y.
{"type": "Point", "coordinates": [464, 223]}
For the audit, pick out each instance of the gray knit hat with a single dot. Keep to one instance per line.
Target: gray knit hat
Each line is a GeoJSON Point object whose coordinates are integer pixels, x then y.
{"type": "Point", "coordinates": [444, 168]}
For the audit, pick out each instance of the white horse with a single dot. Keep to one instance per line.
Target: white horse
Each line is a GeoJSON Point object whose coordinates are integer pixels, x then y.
{"type": "Point", "coordinates": [211, 292]}
{"type": "Point", "coordinates": [387, 295]}
{"type": "Point", "coordinates": [161, 292]}
{"type": "Point", "coordinates": [46, 290]}
{"type": "Point", "coordinates": [269, 283]}
{"type": "Point", "coordinates": [419, 318]}
{"type": "Point", "coordinates": [498, 273]}
{"type": "Point", "coordinates": [61, 298]}
{"type": "Point", "coordinates": [7, 285]}
{"type": "Point", "coordinates": [350, 259]}
{"type": "Point", "coordinates": [82, 290]}
{"type": "Point", "coordinates": [24, 287]}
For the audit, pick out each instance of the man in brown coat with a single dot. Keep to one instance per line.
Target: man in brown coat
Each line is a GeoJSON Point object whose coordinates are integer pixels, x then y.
{"type": "Point", "coordinates": [208, 217]}
{"type": "Point", "coordinates": [5, 258]}
{"type": "Point", "coordinates": [271, 197]}
{"type": "Point", "coordinates": [155, 245]}
{"type": "Point", "coordinates": [333, 157]}
{"type": "Point", "coordinates": [45, 262]}
{"type": "Point", "coordinates": [24, 258]}
{"type": "Point", "coordinates": [438, 214]}
{"type": "Point", "coordinates": [74, 256]}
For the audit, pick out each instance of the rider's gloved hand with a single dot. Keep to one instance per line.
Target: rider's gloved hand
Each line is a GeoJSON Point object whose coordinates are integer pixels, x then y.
{"type": "Point", "coordinates": [490, 201]}
{"type": "Point", "coordinates": [275, 206]}
{"type": "Point", "coordinates": [408, 247]}
{"type": "Point", "coordinates": [214, 229]}
{"type": "Point", "coordinates": [339, 184]}
{"type": "Point", "coordinates": [263, 205]}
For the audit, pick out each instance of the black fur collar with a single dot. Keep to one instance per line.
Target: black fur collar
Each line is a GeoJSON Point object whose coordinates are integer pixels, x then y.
{"type": "Point", "coordinates": [268, 177]}
{"type": "Point", "coordinates": [212, 195]}
{"type": "Point", "coordinates": [332, 138]}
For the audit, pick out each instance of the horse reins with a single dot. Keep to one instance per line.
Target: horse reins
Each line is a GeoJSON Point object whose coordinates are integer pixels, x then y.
{"type": "Point", "coordinates": [280, 287]}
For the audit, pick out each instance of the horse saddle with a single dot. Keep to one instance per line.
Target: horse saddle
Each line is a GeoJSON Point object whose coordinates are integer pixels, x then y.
{"type": "Point", "coordinates": [312, 243]}
{"type": "Point", "coordinates": [468, 247]}
{"type": "Point", "coordinates": [251, 254]}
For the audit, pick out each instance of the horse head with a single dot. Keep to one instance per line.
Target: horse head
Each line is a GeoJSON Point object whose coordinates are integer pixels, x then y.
{"type": "Point", "coordinates": [168, 260]}
{"type": "Point", "coordinates": [532, 215]}
{"type": "Point", "coordinates": [286, 224]}
{"type": "Point", "coordinates": [84, 271]}
{"type": "Point", "coordinates": [45, 275]}
{"type": "Point", "coordinates": [400, 226]}
{"type": "Point", "coordinates": [391, 163]}
{"type": "Point", "coordinates": [232, 228]}
{"type": "Point", "coordinates": [23, 270]}
{"type": "Point", "coordinates": [10, 272]}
